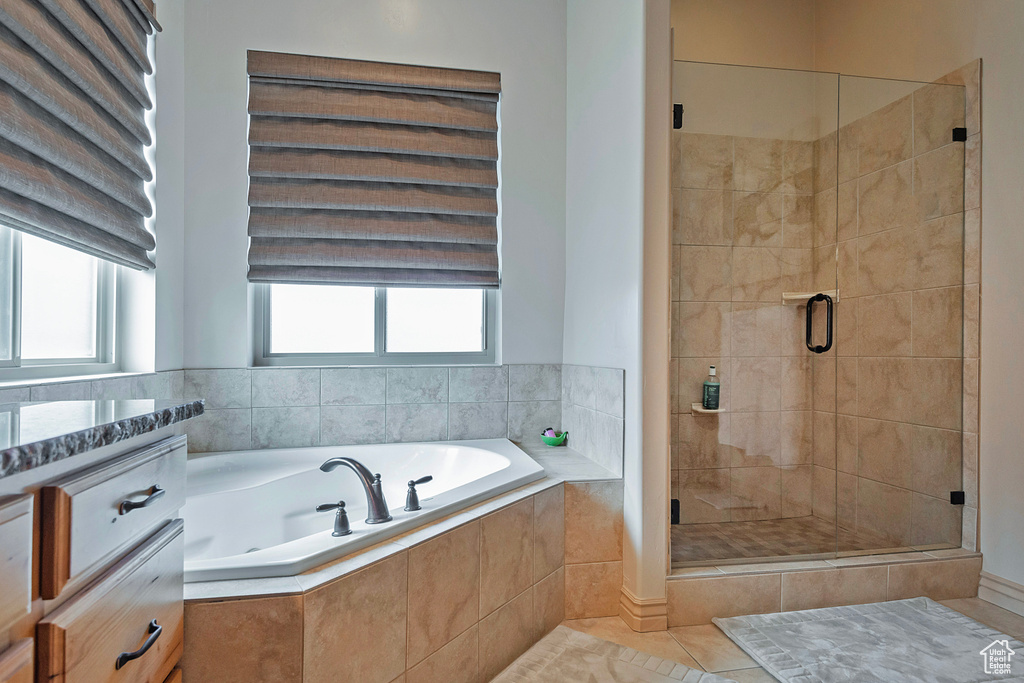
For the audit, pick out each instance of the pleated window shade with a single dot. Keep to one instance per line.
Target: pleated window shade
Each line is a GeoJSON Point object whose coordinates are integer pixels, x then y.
{"type": "Point", "coordinates": [73, 127]}
{"type": "Point", "coordinates": [372, 174]}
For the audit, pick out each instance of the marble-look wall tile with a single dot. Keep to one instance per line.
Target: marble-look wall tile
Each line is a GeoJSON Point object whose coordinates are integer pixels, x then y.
{"type": "Point", "coordinates": [885, 511]}
{"type": "Point", "coordinates": [700, 329]}
{"type": "Point", "coordinates": [798, 221]}
{"type": "Point", "coordinates": [113, 388]}
{"type": "Point", "coordinates": [704, 273]}
{"type": "Point", "coordinates": [456, 662]}
{"type": "Point", "coordinates": [505, 634]}
{"type": "Point", "coordinates": [593, 522]}
{"type": "Point", "coordinates": [416, 422]}
{"type": "Point", "coordinates": [478, 384]}
{"type": "Point", "coordinates": [444, 590]}
{"type": "Point", "coordinates": [833, 587]}
{"type": "Point", "coordinates": [274, 387]}
{"type": "Point", "coordinates": [165, 384]}
{"type": "Point", "coordinates": [705, 161]}
{"type": "Point", "coordinates": [549, 531]}
{"type": "Point", "coordinates": [756, 329]}
{"type": "Point", "coordinates": [348, 425]}
{"type": "Point", "coordinates": [704, 496]}
{"type": "Point", "coordinates": [702, 217]}
{"type": "Point", "coordinates": [289, 427]}
{"type": "Point", "coordinates": [885, 136]}
{"type": "Point", "coordinates": [352, 386]}
{"type": "Point", "coordinates": [535, 382]}
{"type": "Point", "coordinates": [756, 384]}
{"type": "Point", "coordinates": [609, 391]}
{"type": "Point", "coordinates": [887, 200]}
{"type": "Point", "coordinates": [65, 391]}
{"type": "Point", "coordinates": [530, 418]}
{"type": "Point", "coordinates": [938, 109]}
{"type": "Point", "coordinates": [756, 439]}
{"type": "Point", "coordinates": [756, 274]}
{"type": "Point", "coordinates": [797, 493]}
{"type": "Point", "coordinates": [972, 173]}
{"type": "Point", "coordinates": [934, 520]}
{"type": "Point", "coordinates": [756, 493]}
{"type": "Point", "coordinates": [797, 167]}
{"type": "Point", "coordinates": [757, 219]}
{"type": "Point", "coordinates": [939, 182]}
{"type": "Point", "coordinates": [367, 611]}
{"type": "Point", "coordinates": [477, 420]}
{"type": "Point", "coordinates": [884, 451]}
{"type": "Point", "coordinates": [942, 580]}
{"type": "Point", "coordinates": [938, 323]}
{"type": "Point", "coordinates": [226, 388]}
{"type": "Point", "coordinates": [938, 457]}
{"type": "Point", "coordinates": [592, 590]}
{"type": "Point", "coordinates": [704, 441]}
{"type": "Point", "coordinates": [697, 601]}
{"type": "Point", "coordinates": [823, 493]}
{"type": "Point", "coordinates": [417, 385]}
{"type": "Point", "coordinates": [506, 555]}
{"type": "Point", "coordinates": [884, 325]}
{"type": "Point", "coordinates": [549, 602]}
{"type": "Point", "coordinates": [240, 641]}
{"type": "Point", "coordinates": [938, 392]}
{"type": "Point", "coordinates": [220, 430]}
{"type": "Point", "coordinates": [757, 164]}
{"type": "Point", "coordinates": [15, 395]}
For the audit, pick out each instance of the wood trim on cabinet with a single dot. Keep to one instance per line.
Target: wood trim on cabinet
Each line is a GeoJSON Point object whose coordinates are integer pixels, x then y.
{"type": "Point", "coordinates": [16, 537]}
{"type": "Point", "coordinates": [55, 551]}
{"type": "Point", "coordinates": [16, 662]}
{"type": "Point", "coordinates": [174, 676]}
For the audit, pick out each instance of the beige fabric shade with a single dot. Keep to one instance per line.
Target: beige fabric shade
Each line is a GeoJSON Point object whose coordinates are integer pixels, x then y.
{"type": "Point", "coordinates": [73, 132]}
{"type": "Point", "coordinates": [372, 174]}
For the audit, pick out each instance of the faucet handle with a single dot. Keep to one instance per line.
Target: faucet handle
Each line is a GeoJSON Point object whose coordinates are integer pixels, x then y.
{"type": "Point", "coordinates": [341, 527]}
{"type": "Point", "coordinates": [412, 499]}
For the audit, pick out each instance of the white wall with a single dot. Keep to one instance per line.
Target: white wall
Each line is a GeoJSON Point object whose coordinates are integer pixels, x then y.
{"type": "Point", "coordinates": [523, 40]}
{"type": "Point", "coordinates": [604, 223]}
{"type": "Point", "coordinates": [922, 40]}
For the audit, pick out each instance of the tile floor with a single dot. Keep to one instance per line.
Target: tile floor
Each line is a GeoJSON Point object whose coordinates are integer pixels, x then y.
{"type": "Point", "coordinates": [794, 536]}
{"type": "Point", "coordinates": [707, 648]}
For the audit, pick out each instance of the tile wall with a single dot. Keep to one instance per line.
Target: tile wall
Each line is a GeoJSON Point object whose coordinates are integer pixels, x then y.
{"type": "Point", "coordinates": [593, 409]}
{"type": "Point", "coordinates": [906, 224]}
{"type": "Point", "coordinates": [887, 421]}
{"type": "Point", "coordinates": [294, 407]}
{"type": "Point", "coordinates": [743, 220]}
{"type": "Point", "coordinates": [458, 607]}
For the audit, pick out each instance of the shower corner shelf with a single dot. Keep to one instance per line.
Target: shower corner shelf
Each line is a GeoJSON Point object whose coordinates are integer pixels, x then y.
{"type": "Point", "coordinates": [792, 298]}
{"type": "Point", "coordinates": [699, 408]}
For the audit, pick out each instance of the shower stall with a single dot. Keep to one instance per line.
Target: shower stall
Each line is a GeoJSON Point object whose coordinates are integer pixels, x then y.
{"type": "Point", "coordinates": [839, 429]}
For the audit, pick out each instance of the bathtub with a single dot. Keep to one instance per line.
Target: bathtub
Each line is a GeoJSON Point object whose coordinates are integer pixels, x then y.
{"type": "Point", "coordinates": [251, 514]}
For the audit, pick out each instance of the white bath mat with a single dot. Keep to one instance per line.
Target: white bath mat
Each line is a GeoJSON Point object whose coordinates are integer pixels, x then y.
{"type": "Point", "coordinates": [567, 655]}
{"type": "Point", "coordinates": [905, 641]}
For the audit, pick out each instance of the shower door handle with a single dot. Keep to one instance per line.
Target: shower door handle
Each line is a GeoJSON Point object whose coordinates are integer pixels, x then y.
{"type": "Point", "coordinates": [828, 322]}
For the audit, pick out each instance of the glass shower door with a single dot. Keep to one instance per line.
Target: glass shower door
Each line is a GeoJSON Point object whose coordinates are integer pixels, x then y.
{"type": "Point", "coordinates": [899, 335]}
{"type": "Point", "coordinates": [754, 235]}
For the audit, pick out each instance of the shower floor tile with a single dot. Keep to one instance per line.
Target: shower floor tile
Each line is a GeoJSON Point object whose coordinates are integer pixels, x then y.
{"type": "Point", "coordinates": [770, 538]}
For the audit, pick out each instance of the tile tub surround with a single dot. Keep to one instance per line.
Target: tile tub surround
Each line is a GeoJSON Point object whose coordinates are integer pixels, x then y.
{"type": "Point", "coordinates": [289, 407]}
{"type": "Point", "coordinates": [593, 405]}
{"type": "Point", "coordinates": [456, 606]}
{"type": "Point", "coordinates": [698, 595]}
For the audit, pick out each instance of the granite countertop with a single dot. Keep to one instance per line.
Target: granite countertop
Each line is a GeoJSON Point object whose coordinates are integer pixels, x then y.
{"type": "Point", "coordinates": [39, 433]}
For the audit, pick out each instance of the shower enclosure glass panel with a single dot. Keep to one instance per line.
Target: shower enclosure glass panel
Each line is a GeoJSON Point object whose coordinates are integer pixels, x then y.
{"type": "Point", "coordinates": [787, 185]}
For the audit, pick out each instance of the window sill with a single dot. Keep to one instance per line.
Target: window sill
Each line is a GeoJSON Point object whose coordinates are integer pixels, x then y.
{"type": "Point", "coordinates": [70, 379]}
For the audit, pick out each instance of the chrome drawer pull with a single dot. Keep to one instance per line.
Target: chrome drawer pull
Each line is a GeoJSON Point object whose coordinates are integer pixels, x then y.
{"type": "Point", "coordinates": [127, 506]}
{"type": "Point", "coordinates": [125, 657]}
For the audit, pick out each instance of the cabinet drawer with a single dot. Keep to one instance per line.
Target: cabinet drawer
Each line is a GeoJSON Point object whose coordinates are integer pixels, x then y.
{"type": "Point", "coordinates": [16, 662]}
{"type": "Point", "coordinates": [86, 639]}
{"type": "Point", "coordinates": [91, 516]}
{"type": "Point", "coordinates": [15, 559]}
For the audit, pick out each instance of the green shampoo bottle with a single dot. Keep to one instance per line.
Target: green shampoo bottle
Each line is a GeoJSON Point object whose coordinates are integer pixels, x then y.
{"type": "Point", "coordinates": [712, 390]}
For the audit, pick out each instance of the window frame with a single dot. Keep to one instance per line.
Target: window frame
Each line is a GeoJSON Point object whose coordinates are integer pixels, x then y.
{"type": "Point", "coordinates": [380, 356]}
{"type": "Point", "coordinates": [104, 361]}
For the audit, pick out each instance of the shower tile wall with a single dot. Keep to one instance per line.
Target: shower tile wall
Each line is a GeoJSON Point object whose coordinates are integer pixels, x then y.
{"type": "Point", "coordinates": [886, 432]}
{"type": "Point", "coordinates": [742, 234]}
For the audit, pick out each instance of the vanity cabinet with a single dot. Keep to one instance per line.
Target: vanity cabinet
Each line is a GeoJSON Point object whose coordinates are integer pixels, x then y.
{"type": "Point", "coordinates": [15, 559]}
{"type": "Point", "coordinates": [16, 662]}
{"type": "Point", "coordinates": [91, 516]}
{"type": "Point", "coordinates": [126, 625]}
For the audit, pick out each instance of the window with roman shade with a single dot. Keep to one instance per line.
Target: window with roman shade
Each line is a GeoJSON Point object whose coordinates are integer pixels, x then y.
{"type": "Point", "coordinates": [73, 129]}
{"type": "Point", "coordinates": [371, 174]}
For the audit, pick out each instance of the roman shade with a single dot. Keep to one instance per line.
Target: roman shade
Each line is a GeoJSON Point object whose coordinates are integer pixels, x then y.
{"type": "Point", "coordinates": [373, 174]}
{"type": "Point", "coordinates": [73, 129]}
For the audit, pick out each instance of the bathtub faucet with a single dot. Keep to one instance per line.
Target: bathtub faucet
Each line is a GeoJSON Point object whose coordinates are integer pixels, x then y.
{"type": "Point", "coordinates": [376, 506]}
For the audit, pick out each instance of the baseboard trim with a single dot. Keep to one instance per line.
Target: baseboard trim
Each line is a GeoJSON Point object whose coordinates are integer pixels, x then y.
{"type": "Point", "coordinates": [643, 615]}
{"type": "Point", "coordinates": [1002, 592]}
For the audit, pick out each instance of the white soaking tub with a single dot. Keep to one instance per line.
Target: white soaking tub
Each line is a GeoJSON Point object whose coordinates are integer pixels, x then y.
{"type": "Point", "coordinates": [251, 514]}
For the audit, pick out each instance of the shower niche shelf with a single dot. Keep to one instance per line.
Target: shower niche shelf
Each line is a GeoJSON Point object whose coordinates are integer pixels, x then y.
{"type": "Point", "coordinates": [800, 298]}
{"type": "Point", "coordinates": [699, 408]}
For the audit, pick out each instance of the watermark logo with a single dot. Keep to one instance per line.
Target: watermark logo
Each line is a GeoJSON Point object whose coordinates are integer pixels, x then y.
{"type": "Point", "coordinates": [997, 658]}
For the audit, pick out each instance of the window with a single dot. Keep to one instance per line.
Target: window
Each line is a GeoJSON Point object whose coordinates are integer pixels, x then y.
{"type": "Point", "coordinates": [56, 309]}
{"type": "Point", "coordinates": [321, 324]}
